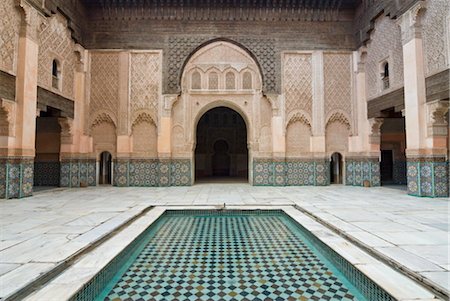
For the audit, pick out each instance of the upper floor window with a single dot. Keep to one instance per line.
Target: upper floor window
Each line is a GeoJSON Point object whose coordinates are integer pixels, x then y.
{"type": "Point", "coordinates": [385, 76]}
{"type": "Point", "coordinates": [247, 80]}
{"type": "Point", "coordinates": [196, 81]}
{"type": "Point", "coordinates": [56, 74]}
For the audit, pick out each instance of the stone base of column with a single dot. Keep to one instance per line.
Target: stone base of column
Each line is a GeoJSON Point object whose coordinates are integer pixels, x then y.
{"type": "Point", "coordinates": [152, 172]}
{"type": "Point", "coordinates": [362, 171]}
{"type": "Point", "coordinates": [428, 176]}
{"type": "Point", "coordinates": [16, 177]}
{"type": "Point", "coordinates": [291, 172]}
{"type": "Point", "coordinates": [78, 172]}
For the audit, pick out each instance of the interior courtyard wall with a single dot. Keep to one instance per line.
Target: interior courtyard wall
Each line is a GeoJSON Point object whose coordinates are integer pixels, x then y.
{"type": "Point", "coordinates": [142, 104]}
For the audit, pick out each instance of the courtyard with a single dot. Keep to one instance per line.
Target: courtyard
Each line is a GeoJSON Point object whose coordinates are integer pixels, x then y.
{"type": "Point", "coordinates": [41, 232]}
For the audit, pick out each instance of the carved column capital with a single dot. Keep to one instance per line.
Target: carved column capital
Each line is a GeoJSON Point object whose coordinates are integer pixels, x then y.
{"type": "Point", "coordinates": [66, 124]}
{"type": "Point", "coordinates": [410, 24]}
{"type": "Point", "coordinates": [32, 20]}
{"type": "Point", "coordinates": [375, 130]}
{"type": "Point", "coordinates": [168, 101]}
{"type": "Point", "coordinates": [8, 116]}
{"type": "Point", "coordinates": [436, 123]}
{"type": "Point", "coordinates": [274, 100]}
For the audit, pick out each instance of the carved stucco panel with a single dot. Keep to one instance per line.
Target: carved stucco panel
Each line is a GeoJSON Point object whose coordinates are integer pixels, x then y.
{"type": "Point", "coordinates": [297, 82]}
{"type": "Point", "coordinates": [145, 81]}
{"type": "Point", "coordinates": [104, 83]}
{"type": "Point", "coordinates": [435, 20]}
{"type": "Point", "coordinates": [338, 82]}
{"type": "Point", "coordinates": [9, 35]}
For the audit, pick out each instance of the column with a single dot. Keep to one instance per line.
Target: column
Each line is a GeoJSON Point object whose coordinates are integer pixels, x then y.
{"type": "Point", "coordinates": [278, 140]}
{"type": "Point", "coordinates": [427, 165]}
{"type": "Point", "coordinates": [78, 166]}
{"type": "Point", "coordinates": [366, 144]}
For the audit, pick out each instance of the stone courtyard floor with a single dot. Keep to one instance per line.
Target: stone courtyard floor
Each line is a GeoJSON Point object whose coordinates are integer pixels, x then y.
{"type": "Point", "coordinates": [39, 233]}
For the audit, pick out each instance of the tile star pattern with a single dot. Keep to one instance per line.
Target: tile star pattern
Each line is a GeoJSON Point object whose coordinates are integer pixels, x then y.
{"type": "Point", "coordinates": [228, 258]}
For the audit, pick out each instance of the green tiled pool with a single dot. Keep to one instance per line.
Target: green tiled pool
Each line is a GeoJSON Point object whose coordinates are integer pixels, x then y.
{"type": "Point", "coordinates": [229, 255]}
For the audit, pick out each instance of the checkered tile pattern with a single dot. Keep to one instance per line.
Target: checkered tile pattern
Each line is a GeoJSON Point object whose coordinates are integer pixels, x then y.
{"type": "Point", "coordinates": [228, 258]}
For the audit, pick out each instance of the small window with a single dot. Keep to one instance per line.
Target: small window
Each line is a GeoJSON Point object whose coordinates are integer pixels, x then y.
{"type": "Point", "coordinates": [213, 82]}
{"type": "Point", "coordinates": [385, 76]}
{"type": "Point", "coordinates": [56, 74]}
{"type": "Point", "coordinates": [196, 80]}
{"type": "Point", "coordinates": [230, 81]}
{"type": "Point", "coordinates": [247, 81]}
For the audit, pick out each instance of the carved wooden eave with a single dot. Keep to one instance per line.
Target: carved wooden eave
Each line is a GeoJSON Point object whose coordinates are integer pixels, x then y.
{"type": "Point", "coordinates": [223, 10]}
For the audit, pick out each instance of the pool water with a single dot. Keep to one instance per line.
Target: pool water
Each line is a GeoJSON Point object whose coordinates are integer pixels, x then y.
{"type": "Point", "coordinates": [228, 257]}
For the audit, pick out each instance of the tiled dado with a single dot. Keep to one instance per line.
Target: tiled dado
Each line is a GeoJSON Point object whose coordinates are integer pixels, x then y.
{"type": "Point", "coordinates": [46, 173]}
{"type": "Point", "coordinates": [16, 177]}
{"type": "Point", "coordinates": [428, 176]}
{"type": "Point", "coordinates": [78, 172]}
{"type": "Point", "coordinates": [268, 172]}
{"type": "Point", "coordinates": [152, 172]}
{"type": "Point", "coordinates": [358, 171]}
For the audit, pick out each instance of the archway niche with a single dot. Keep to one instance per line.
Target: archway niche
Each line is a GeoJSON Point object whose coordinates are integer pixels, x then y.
{"type": "Point", "coordinates": [336, 169]}
{"type": "Point", "coordinates": [105, 172]}
{"type": "Point", "coordinates": [221, 147]}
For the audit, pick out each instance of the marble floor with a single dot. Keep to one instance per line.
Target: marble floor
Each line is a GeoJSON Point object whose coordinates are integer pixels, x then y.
{"type": "Point", "coordinates": [39, 233]}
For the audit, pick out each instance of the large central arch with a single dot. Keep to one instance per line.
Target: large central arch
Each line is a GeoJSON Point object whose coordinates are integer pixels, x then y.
{"type": "Point", "coordinates": [221, 151]}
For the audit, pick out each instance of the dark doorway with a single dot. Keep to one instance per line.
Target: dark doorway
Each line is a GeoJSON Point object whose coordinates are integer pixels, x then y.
{"type": "Point", "coordinates": [105, 168]}
{"type": "Point", "coordinates": [393, 146]}
{"type": "Point", "coordinates": [336, 165]}
{"type": "Point", "coordinates": [221, 151]}
{"type": "Point", "coordinates": [387, 165]}
{"type": "Point", "coordinates": [48, 144]}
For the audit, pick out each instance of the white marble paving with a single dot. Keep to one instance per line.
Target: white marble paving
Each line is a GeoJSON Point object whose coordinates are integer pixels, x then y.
{"type": "Point", "coordinates": [68, 220]}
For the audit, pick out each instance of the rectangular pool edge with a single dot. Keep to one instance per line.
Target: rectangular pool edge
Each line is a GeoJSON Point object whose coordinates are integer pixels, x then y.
{"type": "Point", "coordinates": [307, 223]}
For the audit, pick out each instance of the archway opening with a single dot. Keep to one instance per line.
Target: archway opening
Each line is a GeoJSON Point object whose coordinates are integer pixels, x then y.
{"type": "Point", "coordinates": [393, 151]}
{"type": "Point", "coordinates": [336, 168]}
{"type": "Point", "coordinates": [221, 152]}
{"type": "Point", "coordinates": [47, 146]}
{"type": "Point", "coordinates": [105, 172]}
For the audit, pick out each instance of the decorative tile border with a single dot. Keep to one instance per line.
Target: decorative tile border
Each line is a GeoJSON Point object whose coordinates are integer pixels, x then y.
{"type": "Point", "coordinates": [268, 172]}
{"type": "Point", "coordinates": [360, 170]}
{"type": "Point", "coordinates": [428, 177]}
{"type": "Point", "coordinates": [78, 172]}
{"type": "Point", "coordinates": [152, 172]}
{"type": "Point", "coordinates": [16, 177]}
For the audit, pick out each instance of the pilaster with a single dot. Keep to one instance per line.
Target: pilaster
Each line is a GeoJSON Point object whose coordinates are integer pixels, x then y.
{"type": "Point", "coordinates": [427, 161]}
{"type": "Point", "coordinates": [318, 144]}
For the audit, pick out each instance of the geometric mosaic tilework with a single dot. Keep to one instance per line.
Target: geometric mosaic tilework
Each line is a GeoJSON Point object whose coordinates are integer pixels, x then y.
{"type": "Point", "coordinates": [78, 172]}
{"type": "Point", "coordinates": [46, 173]}
{"type": "Point", "coordinates": [16, 177]}
{"type": "Point", "coordinates": [267, 172]}
{"type": "Point", "coordinates": [235, 257]}
{"type": "Point", "coordinates": [399, 172]}
{"type": "Point", "coordinates": [358, 171]}
{"type": "Point", "coordinates": [428, 177]}
{"type": "Point", "coordinates": [152, 172]}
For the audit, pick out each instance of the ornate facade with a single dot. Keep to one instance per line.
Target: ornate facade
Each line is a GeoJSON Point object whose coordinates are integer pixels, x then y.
{"type": "Point", "coordinates": [137, 93]}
